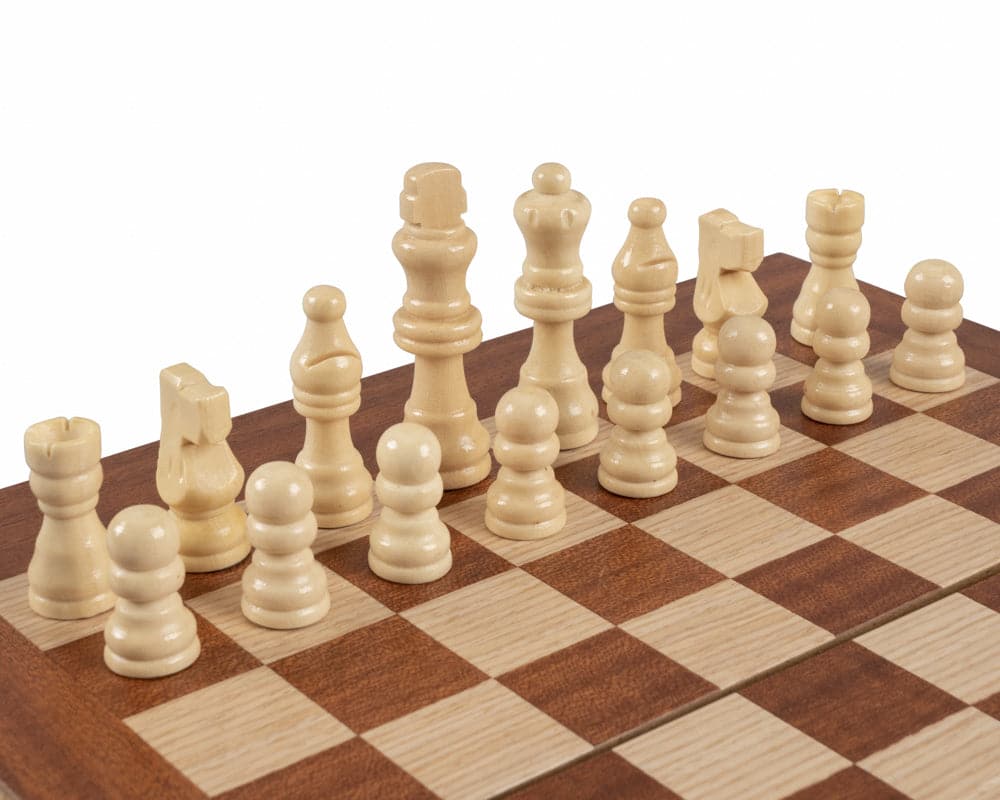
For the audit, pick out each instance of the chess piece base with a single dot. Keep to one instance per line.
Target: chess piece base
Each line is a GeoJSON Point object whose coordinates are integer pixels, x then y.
{"type": "Point", "coordinates": [724, 447]}
{"type": "Point", "coordinates": [70, 609]}
{"type": "Point", "coordinates": [467, 476]}
{"type": "Point", "coordinates": [842, 416]}
{"type": "Point", "coordinates": [802, 335]}
{"type": "Point", "coordinates": [158, 668]}
{"type": "Point", "coordinates": [286, 620]}
{"type": "Point", "coordinates": [930, 385]}
{"type": "Point", "coordinates": [410, 575]}
{"type": "Point", "coordinates": [526, 532]}
{"type": "Point", "coordinates": [342, 519]}
{"type": "Point", "coordinates": [641, 490]}
{"type": "Point", "coordinates": [197, 535]}
{"type": "Point", "coordinates": [699, 366]}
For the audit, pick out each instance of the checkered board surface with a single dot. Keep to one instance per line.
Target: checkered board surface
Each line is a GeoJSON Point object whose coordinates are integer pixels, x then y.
{"type": "Point", "coordinates": [821, 620]}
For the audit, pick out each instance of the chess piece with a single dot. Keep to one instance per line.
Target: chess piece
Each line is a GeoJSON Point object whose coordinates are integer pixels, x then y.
{"type": "Point", "coordinates": [408, 542]}
{"type": "Point", "coordinates": [326, 373]}
{"type": "Point", "coordinates": [68, 572]}
{"type": "Point", "coordinates": [283, 586]}
{"type": "Point", "coordinates": [645, 273]}
{"type": "Point", "coordinates": [837, 391]}
{"type": "Point", "coordinates": [553, 292]}
{"type": "Point", "coordinates": [197, 474]}
{"type": "Point", "coordinates": [150, 633]}
{"type": "Point", "coordinates": [928, 359]}
{"type": "Point", "coordinates": [526, 501]}
{"type": "Point", "coordinates": [437, 322]}
{"type": "Point", "coordinates": [742, 423]}
{"type": "Point", "coordinates": [728, 254]}
{"type": "Point", "coordinates": [833, 234]}
{"type": "Point", "coordinates": [637, 460]}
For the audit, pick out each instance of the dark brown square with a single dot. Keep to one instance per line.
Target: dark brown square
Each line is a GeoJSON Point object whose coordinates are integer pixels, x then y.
{"type": "Point", "coordinates": [378, 673]}
{"type": "Point", "coordinates": [353, 769]}
{"type": "Point", "coordinates": [623, 573]}
{"type": "Point", "coordinates": [831, 489]}
{"type": "Point", "coordinates": [980, 346]}
{"type": "Point", "coordinates": [455, 496]}
{"type": "Point", "coordinates": [835, 584]}
{"type": "Point", "coordinates": [986, 592]}
{"type": "Point", "coordinates": [787, 401]}
{"type": "Point", "coordinates": [980, 493]}
{"type": "Point", "coordinates": [991, 705]}
{"type": "Point", "coordinates": [852, 700]}
{"type": "Point", "coordinates": [220, 658]}
{"type": "Point", "coordinates": [580, 477]}
{"type": "Point", "coordinates": [598, 778]}
{"type": "Point", "coordinates": [852, 783]}
{"type": "Point", "coordinates": [199, 583]}
{"type": "Point", "coordinates": [606, 685]}
{"type": "Point", "coordinates": [695, 401]}
{"type": "Point", "coordinates": [471, 562]}
{"type": "Point", "coordinates": [977, 413]}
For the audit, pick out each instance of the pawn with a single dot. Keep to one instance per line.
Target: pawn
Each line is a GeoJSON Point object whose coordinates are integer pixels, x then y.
{"type": "Point", "coordinates": [928, 359]}
{"type": "Point", "coordinates": [526, 501]}
{"type": "Point", "coordinates": [838, 392]}
{"type": "Point", "coordinates": [283, 586]}
{"type": "Point", "coordinates": [408, 542]}
{"type": "Point", "coordinates": [742, 423]}
{"type": "Point", "coordinates": [150, 633]}
{"type": "Point", "coordinates": [637, 460]}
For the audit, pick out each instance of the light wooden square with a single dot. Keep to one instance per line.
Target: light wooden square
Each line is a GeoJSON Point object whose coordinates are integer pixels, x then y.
{"type": "Point", "coordinates": [688, 374]}
{"type": "Point", "coordinates": [935, 539]}
{"type": "Point", "coordinates": [953, 643]}
{"type": "Point", "coordinates": [583, 521]}
{"type": "Point", "coordinates": [42, 632]}
{"type": "Point", "coordinates": [687, 439]}
{"type": "Point", "coordinates": [924, 451]}
{"type": "Point", "coordinates": [505, 621]}
{"type": "Point", "coordinates": [787, 372]}
{"type": "Point", "coordinates": [350, 608]}
{"type": "Point", "coordinates": [954, 759]}
{"type": "Point", "coordinates": [731, 748]}
{"type": "Point", "coordinates": [328, 538]}
{"type": "Point", "coordinates": [476, 743]}
{"type": "Point", "coordinates": [726, 633]}
{"type": "Point", "coordinates": [239, 729]}
{"type": "Point", "coordinates": [732, 530]}
{"type": "Point", "coordinates": [877, 367]}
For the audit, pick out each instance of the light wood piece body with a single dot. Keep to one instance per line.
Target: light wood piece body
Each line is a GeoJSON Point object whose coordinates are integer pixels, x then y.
{"type": "Point", "coordinates": [437, 322]}
{"type": "Point", "coordinates": [150, 633]}
{"type": "Point", "coordinates": [742, 423]}
{"type": "Point", "coordinates": [553, 292]}
{"type": "Point", "coordinates": [408, 542]}
{"type": "Point", "coordinates": [645, 273]}
{"type": "Point", "coordinates": [68, 573]}
{"type": "Point", "coordinates": [929, 359]}
{"type": "Point", "coordinates": [729, 252]}
{"type": "Point", "coordinates": [833, 234]}
{"type": "Point", "coordinates": [197, 475]}
{"type": "Point", "coordinates": [837, 391]}
{"type": "Point", "coordinates": [326, 373]}
{"type": "Point", "coordinates": [526, 501]}
{"type": "Point", "coordinates": [637, 460]}
{"type": "Point", "coordinates": [283, 586]}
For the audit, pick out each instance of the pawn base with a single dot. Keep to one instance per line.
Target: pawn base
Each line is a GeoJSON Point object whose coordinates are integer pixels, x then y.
{"type": "Point", "coordinates": [525, 531]}
{"type": "Point", "coordinates": [837, 416]}
{"type": "Point", "coordinates": [341, 519]}
{"type": "Point", "coordinates": [637, 490]}
{"type": "Point", "coordinates": [802, 335]}
{"type": "Point", "coordinates": [284, 619]}
{"type": "Point", "coordinates": [948, 383]}
{"type": "Point", "coordinates": [70, 609]}
{"type": "Point", "coordinates": [465, 476]}
{"type": "Point", "coordinates": [158, 668]}
{"type": "Point", "coordinates": [409, 575]}
{"type": "Point", "coordinates": [724, 447]}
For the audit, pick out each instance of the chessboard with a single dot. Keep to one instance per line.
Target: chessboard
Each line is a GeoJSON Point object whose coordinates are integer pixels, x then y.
{"type": "Point", "coordinates": [822, 622]}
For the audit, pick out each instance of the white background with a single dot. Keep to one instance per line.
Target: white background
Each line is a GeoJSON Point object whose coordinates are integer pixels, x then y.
{"type": "Point", "coordinates": [174, 176]}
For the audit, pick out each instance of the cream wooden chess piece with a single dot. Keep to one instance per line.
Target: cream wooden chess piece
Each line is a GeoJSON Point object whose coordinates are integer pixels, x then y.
{"type": "Point", "coordinates": [928, 359]}
{"type": "Point", "coordinates": [645, 273]}
{"type": "Point", "coordinates": [197, 474]}
{"type": "Point", "coordinates": [68, 572]}
{"type": "Point", "coordinates": [326, 373]}
{"type": "Point", "coordinates": [553, 292]}
{"type": "Point", "coordinates": [728, 254]}
{"type": "Point", "coordinates": [283, 586]}
{"type": "Point", "coordinates": [637, 460]}
{"type": "Point", "coordinates": [150, 633]}
{"type": "Point", "coordinates": [837, 391]}
{"type": "Point", "coordinates": [408, 542]}
{"type": "Point", "coordinates": [526, 501]}
{"type": "Point", "coordinates": [833, 234]}
{"type": "Point", "coordinates": [742, 422]}
{"type": "Point", "coordinates": [438, 323]}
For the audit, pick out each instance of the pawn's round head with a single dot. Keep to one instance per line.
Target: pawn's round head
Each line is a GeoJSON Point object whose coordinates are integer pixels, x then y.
{"type": "Point", "coordinates": [527, 414]}
{"type": "Point", "coordinates": [324, 304]}
{"type": "Point", "coordinates": [408, 453]}
{"type": "Point", "coordinates": [551, 178]}
{"type": "Point", "coordinates": [746, 341]}
{"type": "Point", "coordinates": [143, 538]}
{"type": "Point", "coordinates": [639, 377]}
{"type": "Point", "coordinates": [934, 284]}
{"type": "Point", "coordinates": [843, 312]}
{"type": "Point", "coordinates": [647, 212]}
{"type": "Point", "coordinates": [279, 492]}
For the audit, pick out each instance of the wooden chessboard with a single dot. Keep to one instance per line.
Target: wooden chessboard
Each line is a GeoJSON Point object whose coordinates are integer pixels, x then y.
{"type": "Point", "coordinates": [819, 623]}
